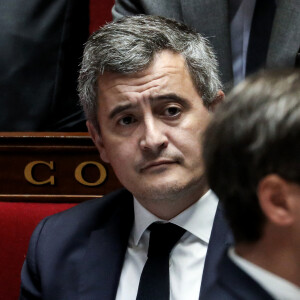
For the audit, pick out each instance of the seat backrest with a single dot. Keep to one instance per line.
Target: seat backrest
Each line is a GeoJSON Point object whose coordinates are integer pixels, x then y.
{"type": "Point", "coordinates": [17, 222]}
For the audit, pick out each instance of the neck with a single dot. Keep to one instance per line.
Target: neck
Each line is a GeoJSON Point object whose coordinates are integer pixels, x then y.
{"type": "Point", "coordinates": [275, 254]}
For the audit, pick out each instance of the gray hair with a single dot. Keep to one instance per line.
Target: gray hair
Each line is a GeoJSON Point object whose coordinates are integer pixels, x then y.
{"type": "Point", "coordinates": [256, 132]}
{"type": "Point", "coordinates": [129, 45]}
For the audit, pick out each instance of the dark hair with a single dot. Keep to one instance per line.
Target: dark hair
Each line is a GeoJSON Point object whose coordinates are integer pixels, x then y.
{"type": "Point", "coordinates": [129, 45]}
{"type": "Point", "coordinates": [256, 132]}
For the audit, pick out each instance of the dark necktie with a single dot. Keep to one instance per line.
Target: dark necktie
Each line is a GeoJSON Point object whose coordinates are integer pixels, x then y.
{"type": "Point", "coordinates": [154, 282]}
{"type": "Point", "coordinates": [261, 28]}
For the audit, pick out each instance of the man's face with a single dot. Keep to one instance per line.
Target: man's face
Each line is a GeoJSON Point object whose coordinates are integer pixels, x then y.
{"type": "Point", "coordinates": [151, 125]}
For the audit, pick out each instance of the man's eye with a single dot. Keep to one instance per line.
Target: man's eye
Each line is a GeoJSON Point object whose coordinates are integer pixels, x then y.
{"type": "Point", "coordinates": [172, 111]}
{"type": "Point", "coordinates": [126, 120]}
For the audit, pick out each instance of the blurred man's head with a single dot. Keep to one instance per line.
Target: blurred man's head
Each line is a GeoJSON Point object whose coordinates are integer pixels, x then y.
{"type": "Point", "coordinates": [252, 156]}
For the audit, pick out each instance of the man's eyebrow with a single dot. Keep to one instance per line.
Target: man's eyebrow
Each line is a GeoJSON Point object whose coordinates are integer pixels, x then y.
{"type": "Point", "coordinates": [172, 96]}
{"type": "Point", "coordinates": [118, 109]}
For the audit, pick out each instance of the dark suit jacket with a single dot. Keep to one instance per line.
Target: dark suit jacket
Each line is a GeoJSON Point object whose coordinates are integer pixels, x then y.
{"type": "Point", "coordinates": [41, 48]}
{"type": "Point", "coordinates": [234, 284]}
{"type": "Point", "coordinates": [79, 253]}
{"type": "Point", "coordinates": [211, 19]}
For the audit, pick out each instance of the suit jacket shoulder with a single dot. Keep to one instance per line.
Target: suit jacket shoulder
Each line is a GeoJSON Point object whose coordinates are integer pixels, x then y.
{"type": "Point", "coordinates": [71, 250]}
{"type": "Point", "coordinates": [234, 284]}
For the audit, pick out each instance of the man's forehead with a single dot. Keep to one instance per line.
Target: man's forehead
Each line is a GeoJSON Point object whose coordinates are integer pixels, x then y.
{"type": "Point", "coordinates": [167, 75]}
{"type": "Point", "coordinates": [165, 62]}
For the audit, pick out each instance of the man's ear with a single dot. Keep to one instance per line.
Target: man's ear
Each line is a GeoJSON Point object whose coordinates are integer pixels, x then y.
{"type": "Point", "coordinates": [97, 139]}
{"type": "Point", "coordinates": [218, 99]}
{"type": "Point", "coordinates": [274, 197]}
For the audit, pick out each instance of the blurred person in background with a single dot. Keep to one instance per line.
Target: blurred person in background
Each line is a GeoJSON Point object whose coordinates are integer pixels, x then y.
{"type": "Point", "coordinates": [42, 43]}
{"type": "Point", "coordinates": [247, 35]}
{"type": "Point", "coordinates": [252, 160]}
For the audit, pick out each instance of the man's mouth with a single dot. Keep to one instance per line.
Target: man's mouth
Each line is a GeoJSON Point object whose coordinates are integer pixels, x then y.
{"type": "Point", "coordinates": [157, 163]}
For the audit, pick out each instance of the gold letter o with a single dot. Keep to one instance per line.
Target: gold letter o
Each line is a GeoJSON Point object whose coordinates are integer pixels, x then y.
{"type": "Point", "coordinates": [78, 173]}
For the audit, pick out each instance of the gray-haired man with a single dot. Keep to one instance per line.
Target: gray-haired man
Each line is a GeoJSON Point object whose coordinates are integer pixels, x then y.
{"type": "Point", "coordinates": [147, 85]}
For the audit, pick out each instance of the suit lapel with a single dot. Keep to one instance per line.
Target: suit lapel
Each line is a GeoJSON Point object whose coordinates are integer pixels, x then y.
{"type": "Point", "coordinates": [213, 24]}
{"type": "Point", "coordinates": [102, 263]}
{"type": "Point", "coordinates": [219, 240]}
{"type": "Point", "coordinates": [285, 37]}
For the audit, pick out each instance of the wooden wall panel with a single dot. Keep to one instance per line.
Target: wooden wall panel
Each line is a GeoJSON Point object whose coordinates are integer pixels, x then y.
{"type": "Point", "coordinates": [52, 167]}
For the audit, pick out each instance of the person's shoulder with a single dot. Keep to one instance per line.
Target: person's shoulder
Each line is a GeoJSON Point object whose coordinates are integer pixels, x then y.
{"type": "Point", "coordinates": [61, 240]}
{"type": "Point", "coordinates": [90, 212]}
{"type": "Point", "coordinates": [107, 202]}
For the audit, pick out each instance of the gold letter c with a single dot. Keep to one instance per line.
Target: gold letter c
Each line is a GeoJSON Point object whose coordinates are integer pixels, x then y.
{"type": "Point", "coordinates": [28, 172]}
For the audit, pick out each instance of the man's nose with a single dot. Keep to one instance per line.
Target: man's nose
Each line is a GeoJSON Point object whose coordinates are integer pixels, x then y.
{"type": "Point", "coordinates": [153, 137]}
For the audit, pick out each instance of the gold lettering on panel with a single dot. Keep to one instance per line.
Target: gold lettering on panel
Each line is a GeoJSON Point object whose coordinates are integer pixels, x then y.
{"type": "Point", "coordinates": [28, 172]}
{"type": "Point", "coordinates": [80, 179]}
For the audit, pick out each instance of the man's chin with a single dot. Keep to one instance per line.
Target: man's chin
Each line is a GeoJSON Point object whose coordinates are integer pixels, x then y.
{"type": "Point", "coordinates": [161, 191]}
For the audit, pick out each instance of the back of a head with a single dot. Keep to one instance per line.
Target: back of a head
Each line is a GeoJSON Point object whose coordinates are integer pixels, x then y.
{"type": "Point", "coordinates": [128, 46]}
{"type": "Point", "coordinates": [256, 132]}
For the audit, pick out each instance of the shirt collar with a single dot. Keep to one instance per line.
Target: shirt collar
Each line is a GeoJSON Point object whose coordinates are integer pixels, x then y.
{"type": "Point", "coordinates": [197, 219]}
{"type": "Point", "coordinates": [276, 286]}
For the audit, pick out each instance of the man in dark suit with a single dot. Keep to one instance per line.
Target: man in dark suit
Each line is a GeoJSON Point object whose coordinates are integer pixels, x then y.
{"type": "Point", "coordinates": [270, 29]}
{"type": "Point", "coordinates": [41, 47]}
{"type": "Point", "coordinates": [148, 86]}
{"type": "Point", "coordinates": [252, 157]}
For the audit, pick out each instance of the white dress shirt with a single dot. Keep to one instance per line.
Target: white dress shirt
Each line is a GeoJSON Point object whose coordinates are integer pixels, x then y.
{"type": "Point", "coordinates": [277, 287]}
{"type": "Point", "coordinates": [240, 28]}
{"type": "Point", "coordinates": [187, 257]}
